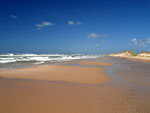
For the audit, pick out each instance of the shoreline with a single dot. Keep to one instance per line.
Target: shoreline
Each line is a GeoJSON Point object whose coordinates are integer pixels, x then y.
{"type": "Point", "coordinates": [51, 63]}
{"type": "Point", "coordinates": [44, 64]}
{"type": "Point", "coordinates": [78, 61]}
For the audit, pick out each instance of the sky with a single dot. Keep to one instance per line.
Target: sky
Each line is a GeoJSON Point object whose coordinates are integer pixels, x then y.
{"type": "Point", "coordinates": [74, 26]}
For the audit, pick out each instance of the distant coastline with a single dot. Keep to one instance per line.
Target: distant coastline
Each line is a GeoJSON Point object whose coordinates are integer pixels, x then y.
{"type": "Point", "coordinates": [132, 55]}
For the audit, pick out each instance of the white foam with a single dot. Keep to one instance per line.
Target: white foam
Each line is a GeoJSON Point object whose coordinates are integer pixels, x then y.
{"type": "Point", "coordinates": [9, 58]}
{"type": "Point", "coordinates": [39, 63]}
{"type": "Point", "coordinates": [7, 61]}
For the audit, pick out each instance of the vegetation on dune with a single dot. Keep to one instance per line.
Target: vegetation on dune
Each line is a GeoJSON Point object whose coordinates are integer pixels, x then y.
{"type": "Point", "coordinates": [145, 52]}
{"type": "Point", "coordinates": [133, 53]}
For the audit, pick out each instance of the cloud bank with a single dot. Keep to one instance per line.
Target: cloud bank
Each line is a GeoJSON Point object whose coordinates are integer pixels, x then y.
{"type": "Point", "coordinates": [140, 43]}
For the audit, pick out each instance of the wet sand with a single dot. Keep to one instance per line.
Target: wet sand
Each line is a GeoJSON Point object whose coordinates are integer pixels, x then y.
{"type": "Point", "coordinates": [30, 96]}
{"type": "Point", "coordinates": [95, 63]}
{"type": "Point", "coordinates": [83, 94]}
{"type": "Point", "coordinates": [132, 76]}
{"type": "Point", "coordinates": [89, 75]}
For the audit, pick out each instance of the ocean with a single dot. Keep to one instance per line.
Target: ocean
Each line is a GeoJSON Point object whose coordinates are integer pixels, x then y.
{"type": "Point", "coordinates": [13, 61]}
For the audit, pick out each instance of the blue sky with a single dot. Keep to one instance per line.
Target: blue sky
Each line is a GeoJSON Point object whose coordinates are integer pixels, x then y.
{"type": "Point", "coordinates": [74, 26]}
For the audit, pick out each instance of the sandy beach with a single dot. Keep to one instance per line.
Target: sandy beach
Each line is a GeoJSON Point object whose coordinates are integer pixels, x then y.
{"type": "Point", "coordinates": [65, 89]}
{"type": "Point", "coordinates": [74, 56]}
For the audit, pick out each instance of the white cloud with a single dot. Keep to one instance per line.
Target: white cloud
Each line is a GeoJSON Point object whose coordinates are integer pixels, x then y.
{"type": "Point", "coordinates": [13, 16]}
{"type": "Point", "coordinates": [79, 23]}
{"type": "Point", "coordinates": [100, 43]}
{"type": "Point", "coordinates": [71, 22]}
{"type": "Point", "coordinates": [140, 43]}
{"type": "Point", "coordinates": [148, 41]}
{"type": "Point", "coordinates": [105, 35]}
{"type": "Point", "coordinates": [134, 40]}
{"type": "Point", "coordinates": [44, 24]}
{"type": "Point", "coordinates": [97, 44]}
{"type": "Point", "coordinates": [93, 35]}
{"type": "Point", "coordinates": [74, 23]}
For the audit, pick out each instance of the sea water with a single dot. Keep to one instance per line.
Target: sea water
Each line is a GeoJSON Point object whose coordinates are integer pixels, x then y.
{"type": "Point", "coordinates": [13, 61]}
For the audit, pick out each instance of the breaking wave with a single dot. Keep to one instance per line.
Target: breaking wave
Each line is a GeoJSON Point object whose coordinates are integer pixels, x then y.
{"type": "Point", "coordinates": [42, 58]}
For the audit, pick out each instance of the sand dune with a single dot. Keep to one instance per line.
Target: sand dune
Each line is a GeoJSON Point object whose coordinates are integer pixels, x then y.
{"type": "Point", "coordinates": [144, 56]}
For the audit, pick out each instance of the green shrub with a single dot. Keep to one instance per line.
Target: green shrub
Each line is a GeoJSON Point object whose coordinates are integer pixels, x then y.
{"type": "Point", "coordinates": [133, 53]}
